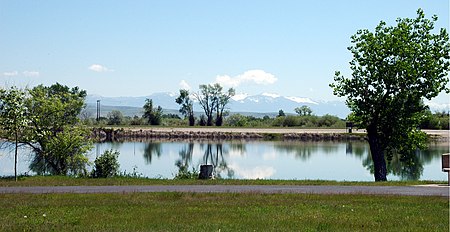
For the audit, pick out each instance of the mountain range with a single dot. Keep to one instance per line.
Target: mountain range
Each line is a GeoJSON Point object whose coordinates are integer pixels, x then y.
{"type": "Point", "coordinates": [256, 105]}
{"type": "Point", "coordinates": [262, 104]}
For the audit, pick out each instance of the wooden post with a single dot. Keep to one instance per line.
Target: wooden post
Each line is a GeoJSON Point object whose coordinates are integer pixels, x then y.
{"type": "Point", "coordinates": [446, 165]}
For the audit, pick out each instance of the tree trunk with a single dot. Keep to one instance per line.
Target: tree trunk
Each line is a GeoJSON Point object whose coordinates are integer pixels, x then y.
{"type": "Point", "coordinates": [219, 121]}
{"type": "Point", "coordinates": [191, 120]}
{"type": "Point", "coordinates": [15, 155]}
{"type": "Point", "coordinates": [209, 121]}
{"type": "Point", "coordinates": [377, 152]}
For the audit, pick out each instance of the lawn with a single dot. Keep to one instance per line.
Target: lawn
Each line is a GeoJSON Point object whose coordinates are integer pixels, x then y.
{"type": "Point", "coordinates": [72, 181]}
{"type": "Point", "coordinates": [221, 212]}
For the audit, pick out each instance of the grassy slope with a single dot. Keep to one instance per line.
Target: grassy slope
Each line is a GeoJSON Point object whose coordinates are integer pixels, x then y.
{"type": "Point", "coordinates": [224, 212]}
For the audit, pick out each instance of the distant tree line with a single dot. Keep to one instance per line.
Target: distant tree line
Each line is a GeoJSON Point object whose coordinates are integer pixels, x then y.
{"type": "Point", "coordinates": [213, 101]}
{"type": "Point", "coordinates": [436, 121]}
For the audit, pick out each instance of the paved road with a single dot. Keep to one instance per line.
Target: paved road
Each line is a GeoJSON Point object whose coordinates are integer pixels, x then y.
{"type": "Point", "coordinates": [369, 190]}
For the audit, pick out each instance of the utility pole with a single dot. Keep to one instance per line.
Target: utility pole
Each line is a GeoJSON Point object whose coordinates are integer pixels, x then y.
{"type": "Point", "coordinates": [98, 110]}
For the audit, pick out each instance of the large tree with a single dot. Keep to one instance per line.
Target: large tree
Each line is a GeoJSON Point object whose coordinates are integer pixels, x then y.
{"type": "Point", "coordinates": [55, 133]}
{"type": "Point", "coordinates": [152, 114]}
{"type": "Point", "coordinates": [13, 118]}
{"type": "Point", "coordinates": [213, 101]}
{"type": "Point", "coordinates": [187, 106]}
{"type": "Point", "coordinates": [393, 70]}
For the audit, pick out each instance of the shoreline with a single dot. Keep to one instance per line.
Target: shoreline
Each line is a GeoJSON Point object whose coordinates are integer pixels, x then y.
{"type": "Point", "coordinates": [214, 133]}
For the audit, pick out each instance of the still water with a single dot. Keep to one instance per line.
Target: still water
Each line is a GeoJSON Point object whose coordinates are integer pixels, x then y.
{"type": "Point", "coordinates": [255, 159]}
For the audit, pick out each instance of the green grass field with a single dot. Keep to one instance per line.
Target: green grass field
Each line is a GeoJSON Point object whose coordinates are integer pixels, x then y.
{"type": "Point", "coordinates": [72, 181]}
{"type": "Point", "coordinates": [221, 212]}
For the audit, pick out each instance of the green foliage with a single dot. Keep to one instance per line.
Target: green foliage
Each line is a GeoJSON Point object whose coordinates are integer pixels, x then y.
{"type": "Point", "coordinates": [115, 117]}
{"type": "Point", "coordinates": [136, 120]}
{"type": "Point", "coordinates": [106, 165]}
{"type": "Point", "coordinates": [187, 106]}
{"type": "Point", "coordinates": [153, 115]}
{"type": "Point", "coordinates": [13, 118]}
{"type": "Point", "coordinates": [303, 111]}
{"type": "Point", "coordinates": [213, 101]}
{"type": "Point", "coordinates": [184, 173]}
{"type": "Point", "coordinates": [237, 120]}
{"type": "Point", "coordinates": [436, 121]}
{"type": "Point", "coordinates": [46, 120]}
{"type": "Point", "coordinates": [326, 121]}
{"type": "Point", "coordinates": [393, 70]}
{"type": "Point", "coordinates": [54, 133]}
{"type": "Point", "coordinates": [66, 153]}
{"type": "Point", "coordinates": [281, 113]}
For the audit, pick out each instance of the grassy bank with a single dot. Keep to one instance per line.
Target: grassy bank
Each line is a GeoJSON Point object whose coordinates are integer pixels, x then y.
{"type": "Point", "coordinates": [221, 212]}
{"type": "Point", "coordinates": [71, 181]}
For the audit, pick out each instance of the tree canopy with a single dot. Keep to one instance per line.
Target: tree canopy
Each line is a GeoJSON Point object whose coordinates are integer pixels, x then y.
{"type": "Point", "coordinates": [303, 110]}
{"type": "Point", "coordinates": [213, 101]}
{"type": "Point", "coordinates": [393, 70]}
{"type": "Point", "coordinates": [186, 106]}
{"type": "Point", "coordinates": [13, 118]}
{"type": "Point", "coordinates": [45, 118]}
{"type": "Point", "coordinates": [152, 114]}
{"type": "Point", "coordinates": [55, 134]}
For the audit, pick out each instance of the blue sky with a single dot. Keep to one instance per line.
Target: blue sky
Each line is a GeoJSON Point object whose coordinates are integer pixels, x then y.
{"type": "Point", "coordinates": [135, 48]}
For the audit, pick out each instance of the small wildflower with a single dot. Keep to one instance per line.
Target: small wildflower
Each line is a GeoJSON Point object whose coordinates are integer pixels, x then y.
{"type": "Point", "coordinates": [25, 216]}
{"type": "Point", "coordinates": [44, 215]}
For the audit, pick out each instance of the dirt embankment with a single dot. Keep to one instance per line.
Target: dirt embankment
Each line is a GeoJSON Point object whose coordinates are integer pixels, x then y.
{"type": "Point", "coordinates": [211, 133]}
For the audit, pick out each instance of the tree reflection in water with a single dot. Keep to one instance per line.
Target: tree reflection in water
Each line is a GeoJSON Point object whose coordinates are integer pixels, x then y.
{"type": "Point", "coordinates": [151, 149]}
{"type": "Point", "coordinates": [185, 158]}
{"type": "Point", "coordinates": [409, 167]}
{"type": "Point", "coordinates": [304, 150]}
{"type": "Point", "coordinates": [405, 169]}
{"type": "Point", "coordinates": [218, 154]}
{"type": "Point", "coordinates": [213, 153]}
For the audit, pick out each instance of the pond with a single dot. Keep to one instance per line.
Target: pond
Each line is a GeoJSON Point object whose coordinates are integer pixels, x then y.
{"type": "Point", "coordinates": [255, 159]}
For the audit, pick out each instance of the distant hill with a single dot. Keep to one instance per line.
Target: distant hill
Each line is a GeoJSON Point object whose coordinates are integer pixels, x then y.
{"type": "Point", "coordinates": [255, 105]}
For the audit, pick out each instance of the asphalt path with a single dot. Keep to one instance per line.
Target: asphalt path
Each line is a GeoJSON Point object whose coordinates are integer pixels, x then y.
{"type": "Point", "coordinates": [428, 190]}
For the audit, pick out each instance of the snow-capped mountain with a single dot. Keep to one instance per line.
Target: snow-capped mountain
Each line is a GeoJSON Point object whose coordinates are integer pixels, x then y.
{"type": "Point", "coordinates": [269, 103]}
{"type": "Point", "coordinates": [263, 103]}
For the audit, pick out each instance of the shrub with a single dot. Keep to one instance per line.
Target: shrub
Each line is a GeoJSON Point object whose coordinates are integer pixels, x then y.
{"type": "Point", "coordinates": [106, 165]}
{"type": "Point", "coordinates": [184, 173]}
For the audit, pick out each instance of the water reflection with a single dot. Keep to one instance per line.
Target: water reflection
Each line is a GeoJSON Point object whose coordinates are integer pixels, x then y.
{"type": "Point", "coordinates": [152, 149]}
{"type": "Point", "coordinates": [304, 150]}
{"type": "Point", "coordinates": [215, 154]}
{"type": "Point", "coordinates": [409, 167]}
{"type": "Point", "coordinates": [255, 159]}
{"type": "Point", "coordinates": [43, 165]}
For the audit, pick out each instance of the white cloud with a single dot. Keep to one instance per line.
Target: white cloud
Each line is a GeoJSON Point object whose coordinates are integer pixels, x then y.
{"type": "Point", "coordinates": [31, 73]}
{"type": "Point", "coordinates": [184, 85]}
{"type": "Point", "coordinates": [99, 68]}
{"type": "Point", "coordinates": [10, 74]}
{"type": "Point", "coordinates": [259, 77]}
